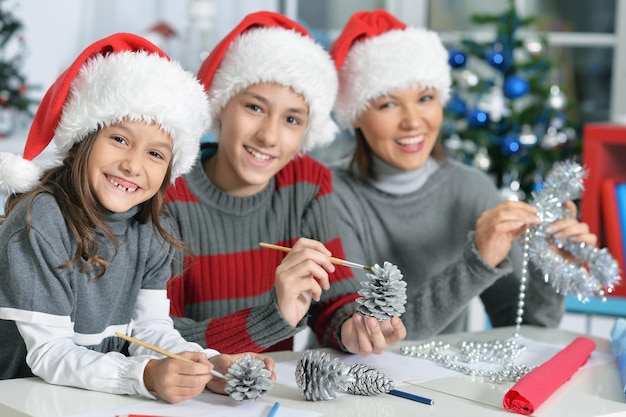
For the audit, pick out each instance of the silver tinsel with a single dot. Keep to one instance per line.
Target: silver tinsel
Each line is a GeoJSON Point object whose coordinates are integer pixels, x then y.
{"type": "Point", "coordinates": [320, 378]}
{"type": "Point", "coordinates": [247, 379]}
{"type": "Point", "coordinates": [384, 293]}
{"type": "Point", "coordinates": [368, 380]}
{"type": "Point", "coordinates": [565, 182]}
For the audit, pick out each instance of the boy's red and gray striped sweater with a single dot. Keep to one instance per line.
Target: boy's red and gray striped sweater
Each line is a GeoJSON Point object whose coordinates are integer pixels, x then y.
{"type": "Point", "coordinates": [225, 299]}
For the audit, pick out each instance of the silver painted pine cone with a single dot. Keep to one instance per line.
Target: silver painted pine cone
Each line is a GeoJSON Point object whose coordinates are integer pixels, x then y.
{"type": "Point", "coordinates": [247, 379]}
{"type": "Point", "coordinates": [368, 380]}
{"type": "Point", "coordinates": [320, 378]}
{"type": "Point", "coordinates": [384, 294]}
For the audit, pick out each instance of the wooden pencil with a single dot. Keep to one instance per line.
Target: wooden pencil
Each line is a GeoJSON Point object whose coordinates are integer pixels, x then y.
{"type": "Point", "coordinates": [163, 351]}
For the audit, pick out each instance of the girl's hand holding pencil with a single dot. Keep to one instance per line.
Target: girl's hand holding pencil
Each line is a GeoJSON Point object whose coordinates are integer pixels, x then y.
{"type": "Point", "coordinates": [189, 382]}
{"type": "Point", "coordinates": [175, 380]}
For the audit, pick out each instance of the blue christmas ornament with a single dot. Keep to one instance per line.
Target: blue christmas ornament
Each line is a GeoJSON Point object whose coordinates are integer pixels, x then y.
{"type": "Point", "coordinates": [496, 58]}
{"type": "Point", "coordinates": [456, 58]}
{"type": "Point", "coordinates": [537, 187]}
{"type": "Point", "coordinates": [510, 144]}
{"type": "Point", "coordinates": [477, 118]}
{"type": "Point", "coordinates": [457, 106]}
{"type": "Point", "coordinates": [515, 87]}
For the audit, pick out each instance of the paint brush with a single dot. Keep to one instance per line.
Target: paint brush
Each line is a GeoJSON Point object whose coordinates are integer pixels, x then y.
{"type": "Point", "coordinates": [333, 260]}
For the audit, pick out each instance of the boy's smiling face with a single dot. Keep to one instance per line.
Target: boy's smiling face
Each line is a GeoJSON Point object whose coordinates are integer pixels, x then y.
{"type": "Point", "coordinates": [261, 130]}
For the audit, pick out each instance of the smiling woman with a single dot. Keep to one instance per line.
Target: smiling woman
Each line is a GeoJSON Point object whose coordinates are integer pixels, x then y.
{"type": "Point", "coordinates": [399, 198]}
{"type": "Point", "coordinates": [403, 127]}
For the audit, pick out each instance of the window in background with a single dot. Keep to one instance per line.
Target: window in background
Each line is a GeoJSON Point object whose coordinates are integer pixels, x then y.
{"type": "Point", "coordinates": [581, 37]}
{"type": "Point", "coordinates": [589, 67]}
{"type": "Point", "coordinates": [325, 18]}
{"type": "Point", "coordinates": [455, 15]}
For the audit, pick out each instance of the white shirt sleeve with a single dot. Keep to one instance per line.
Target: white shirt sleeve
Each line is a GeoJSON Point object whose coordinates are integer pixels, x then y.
{"type": "Point", "coordinates": [153, 324]}
{"type": "Point", "coordinates": [54, 357]}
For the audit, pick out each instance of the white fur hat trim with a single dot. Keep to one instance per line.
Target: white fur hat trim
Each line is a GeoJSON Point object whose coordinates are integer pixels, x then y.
{"type": "Point", "coordinates": [126, 85]}
{"type": "Point", "coordinates": [285, 57]}
{"type": "Point", "coordinates": [137, 86]}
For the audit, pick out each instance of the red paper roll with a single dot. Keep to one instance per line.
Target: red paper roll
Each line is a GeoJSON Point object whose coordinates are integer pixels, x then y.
{"type": "Point", "coordinates": [536, 386]}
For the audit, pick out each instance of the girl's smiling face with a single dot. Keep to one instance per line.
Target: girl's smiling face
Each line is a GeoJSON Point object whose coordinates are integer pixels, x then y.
{"type": "Point", "coordinates": [402, 128]}
{"type": "Point", "coordinates": [128, 163]}
{"type": "Point", "coordinates": [261, 130]}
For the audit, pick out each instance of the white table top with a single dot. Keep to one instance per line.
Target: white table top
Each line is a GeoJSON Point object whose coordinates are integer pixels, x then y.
{"type": "Point", "coordinates": [592, 391]}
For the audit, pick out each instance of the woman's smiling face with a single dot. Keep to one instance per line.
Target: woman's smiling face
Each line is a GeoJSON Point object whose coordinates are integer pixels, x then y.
{"type": "Point", "coordinates": [402, 127]}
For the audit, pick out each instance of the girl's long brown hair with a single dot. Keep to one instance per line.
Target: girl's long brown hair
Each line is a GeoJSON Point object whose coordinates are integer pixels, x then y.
{"type": "Point", "coordinates": [69, 185]}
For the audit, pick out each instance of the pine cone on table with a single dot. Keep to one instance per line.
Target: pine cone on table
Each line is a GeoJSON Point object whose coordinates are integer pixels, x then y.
{"type": "Point", "coordinates": [320, 378]}
{"type": "Point", "coordinates": [368, 380]}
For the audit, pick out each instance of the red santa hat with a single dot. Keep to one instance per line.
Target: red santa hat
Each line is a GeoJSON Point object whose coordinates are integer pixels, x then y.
{"type": "Point", "coordinates": [269, 47]}
{"type": "Point", "coordinates": [376, 54]}
{"type": "Point", "coordinates": [121, 77]}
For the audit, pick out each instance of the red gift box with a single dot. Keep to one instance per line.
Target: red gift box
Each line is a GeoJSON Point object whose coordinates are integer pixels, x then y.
{"type": "Point", "coordinates": [604, 156]}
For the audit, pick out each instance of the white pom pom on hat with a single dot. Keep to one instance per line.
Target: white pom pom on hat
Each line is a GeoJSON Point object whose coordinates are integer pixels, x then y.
{"type": "Point", "coordinates": [120, 77]}
{"type": "Point", "coordinates": [269, 47]}
{"type": "Point", "coordinates": [17, 175]}
{"type": "Point", "coordinates": [377, 54]}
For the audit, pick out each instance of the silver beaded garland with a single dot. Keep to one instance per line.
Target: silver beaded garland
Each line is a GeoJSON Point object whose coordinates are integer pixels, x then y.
{"type": "Point", "coordinates": [466, 353]}
{"type": "Point", "coordinates": [522, 286]}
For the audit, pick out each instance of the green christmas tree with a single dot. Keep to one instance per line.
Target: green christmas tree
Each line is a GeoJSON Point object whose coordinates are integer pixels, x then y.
{"type": "Point", "coordinates": [507, 115]}
{"type": "Point", "coordinates": [13, 86]}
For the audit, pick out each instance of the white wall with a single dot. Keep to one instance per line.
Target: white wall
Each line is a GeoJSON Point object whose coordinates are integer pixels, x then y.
{"type": "Point", "coordinates": [57, 31]}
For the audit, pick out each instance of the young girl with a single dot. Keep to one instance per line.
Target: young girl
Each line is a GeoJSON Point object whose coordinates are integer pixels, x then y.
{"type": "Point", "coordinates": [83, 249]}
{"type": "Point", "coordinates": [271, 90]}
{"type": "Point", "coordinates": [399, 198]}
